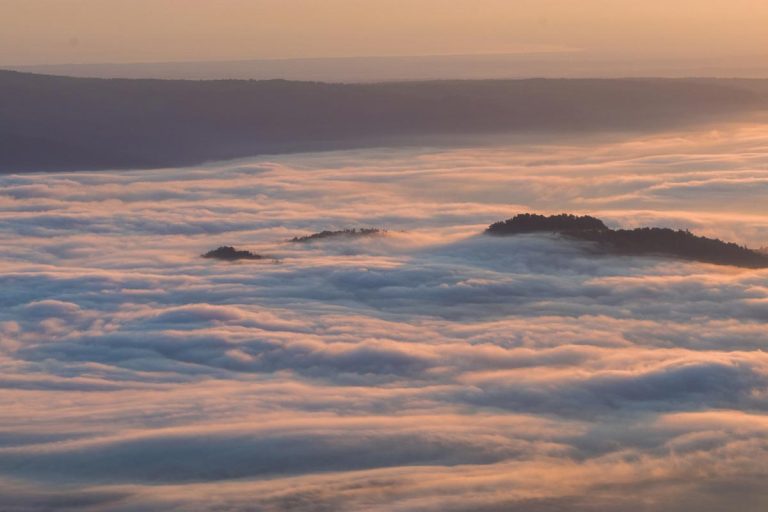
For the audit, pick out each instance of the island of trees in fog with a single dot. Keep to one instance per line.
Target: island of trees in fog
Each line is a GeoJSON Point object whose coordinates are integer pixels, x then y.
{"type": "Point", "coordinates": [634, 242]}
{"type": "Point", "coordinates": [228, 253]}
{"type": "Point", "coordinates": [345, 233]}
{"type": "Point", "coordinates": [647, 241]}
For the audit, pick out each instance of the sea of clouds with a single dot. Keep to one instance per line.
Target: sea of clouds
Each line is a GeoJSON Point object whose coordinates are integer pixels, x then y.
{"type": "Point", "coordinates": [431, 369]}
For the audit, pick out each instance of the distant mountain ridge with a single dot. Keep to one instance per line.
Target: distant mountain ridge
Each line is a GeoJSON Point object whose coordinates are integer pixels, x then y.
{"type": "Point", "coordinates": [551, 63]}
{"type": "Point", "coordinates": [58, 123]}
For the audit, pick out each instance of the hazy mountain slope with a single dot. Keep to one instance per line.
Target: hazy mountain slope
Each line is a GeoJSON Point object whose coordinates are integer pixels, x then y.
{"type": "Point", "coordinates": [52, 123]}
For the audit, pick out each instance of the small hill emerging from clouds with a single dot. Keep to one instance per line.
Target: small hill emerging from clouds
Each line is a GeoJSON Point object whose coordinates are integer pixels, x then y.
{"type": "Point", "coordinates": [532, 223]}
{"type": "Point", "coordinates": [227, 253]}
{"type": "Point", "coordinates": [344, 233]}
{"type": "Point", "coordinates": [634, 242]}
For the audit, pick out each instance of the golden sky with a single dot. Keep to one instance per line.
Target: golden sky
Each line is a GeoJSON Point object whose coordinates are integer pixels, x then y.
{"type": "Point", "coordinates": [79, 31]}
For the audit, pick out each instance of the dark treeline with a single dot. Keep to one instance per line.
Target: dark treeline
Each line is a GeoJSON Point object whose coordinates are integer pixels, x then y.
{"type": "Point", "coordinates": [228, 253]}
{"type": "Point", "coordinates": [350, 233]}
{"type": "Point", "coordinates": [531, 223]}
{"type": "Point", "coordinates": [630, 242]}
{"type": "Point", "coordinates": [638, 242]}
{"type": "Point", "coordinates": [61, 123]}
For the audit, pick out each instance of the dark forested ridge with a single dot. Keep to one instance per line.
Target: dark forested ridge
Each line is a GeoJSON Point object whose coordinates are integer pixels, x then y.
{"type": "Point", "coordinates": [228, 253]}
{"type": "Point", "coordinates": [344, 233]}
{"type": "Point", "coordinates": [532, 223]}
{"type": "Point", "coordinates": [639, 242]}
{"type": "Point", "coordinates": [61, 123]}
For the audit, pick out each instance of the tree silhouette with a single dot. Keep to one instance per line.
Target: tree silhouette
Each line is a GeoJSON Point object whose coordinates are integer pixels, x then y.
{"type": "Point", "coordinates": [640, 241]}
{"type": "Point", "coordinates": [228, 253]}
{"type": "Point", "coordinates": [352, 233]}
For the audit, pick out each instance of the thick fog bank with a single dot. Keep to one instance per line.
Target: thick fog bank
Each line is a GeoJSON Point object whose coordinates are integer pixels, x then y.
{"type": "Point", "coordinates": [428, 369]}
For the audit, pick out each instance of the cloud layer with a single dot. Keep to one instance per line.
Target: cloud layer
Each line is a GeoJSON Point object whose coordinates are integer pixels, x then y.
{"type": "Point", "coordinates": [429, 369]}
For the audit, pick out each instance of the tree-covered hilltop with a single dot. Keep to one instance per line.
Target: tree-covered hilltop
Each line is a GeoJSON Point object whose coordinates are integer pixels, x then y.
{"type": "Point", "coordinates": [350, 233]}
{"type": "Point", "coordinates": [634, 242]}
{"type": "Point", "coordinates": [678, 243]}
{"type": "Point", "coordinates": [228, 253]}
{"type": "Point", "coordinates": [532, 223]}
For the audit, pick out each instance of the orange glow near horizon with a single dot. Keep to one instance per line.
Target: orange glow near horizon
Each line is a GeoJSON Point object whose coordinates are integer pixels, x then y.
{"type": "Point", "coordinates": [81, 31]}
